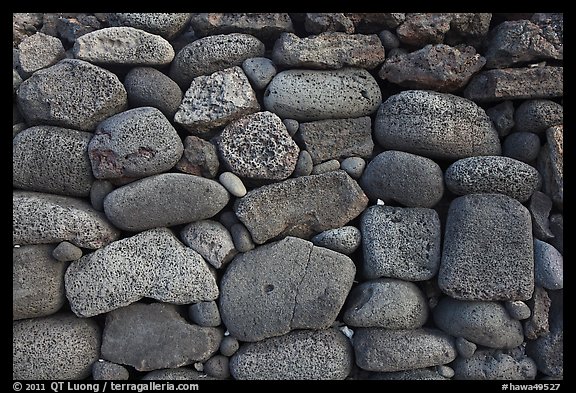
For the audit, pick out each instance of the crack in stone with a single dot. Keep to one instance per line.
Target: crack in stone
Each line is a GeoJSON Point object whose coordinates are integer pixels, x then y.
{"type": "Point", "coordinates": [299, 285]}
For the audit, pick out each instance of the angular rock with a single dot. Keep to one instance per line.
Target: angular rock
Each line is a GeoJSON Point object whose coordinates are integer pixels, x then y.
{"type": "Point", "coordinates": [125, 46]}
{"type": "Point", "coordinates": [552, 27]}
{"type": "Point", "coordinates": [200, 158]}
{"type": "Point", "coordinates": [215, 100]}
{"type": "Point", "coordinates": [435, 67]}
{"type": "Point", "coordinates": [211, 240]}
{"type": "Point", "coordinates": [387, 303]}
{"type": "Point", "coordinates": [522, 146]}
{"type": "Point", "coordinates": [404, 178]}
{"type": "Point", "coordinates": [332, 50]}
{"type": "Point", "coordinates": [420, 29]}
{"type": "Point", "coordinates": [310, 204]}
{"type": "Point", "coordinates": [52, 160]}
{"type": "Point", "coordinates": [60, 346]}
{"type": "Point", "coordinates": [380, 349]}
{"type": "Point", "coordinates": [374, 22]}
{"type": "Point", "coordinates": [550, 164]}
{"type": "Point", "coordinates": [320, 22]}
{"type": "Point", "coordinates": [338, 138]}
{"type": "Point", "coordinates": [401, 243]}
{"type": "Point", "coordinates": [539, 305]}
{"type": "Point", "coordinates": [136, 143]}
{"type": "Point", "coordinates": [167, 25]}
{"type": "Point", "coordinates": [213, 53]}
{"type": "Point", "coordinates": [106, 371]}
{"type": "Point", "coordinates": [259, 70]}
{"type": "Point", "coordinates": [71, 28]}
{"type": "Point", "coordinates": [164, 200]}
{"type": "Point", "coordinates": [488, 249]}
{"type": "Point", "coordinates": [150, 264]}
{"type": "Point", "coordinates": [39, 51]}
{"type": "Point", "coordinates": [502, 115]}
{"type": "Point", "coordinates": [494, 364]}
{"type": "Point", "coordinates": [71, 94]}
{"type": "Point", "coordinates": [516, 84]}
{"type": "Point", "coordinates": [136, 336]}
{"type": "Point", "coordinates": [300, 355]}
{"type": "Point", "coordinates": [538, 115]}
{"type": "Point", "coordinates": [344, 240]}
{"type": "Point", "coordinates": [548, 266]}
{"type": "Point", "coordinates": [146, 86]}
{"type": "Point", "coordinates": [307, 95]}
{"type": "Point", "coordinates": [37, 282]}
{"type": "Point", "coordinates": [205, 314]}
{"type": "Point", "coordinates": [435, 125]}
{"type": "Point", "coordinates": [470, 28]}
{"type": "Point", "coordinates": [465, 348]}
{"type": "Point", "coordinates": [282, 286]}
{"type": "Point", "coordinates": [39, 218]}
{"type": "Point", "coordinates": [258, 147]}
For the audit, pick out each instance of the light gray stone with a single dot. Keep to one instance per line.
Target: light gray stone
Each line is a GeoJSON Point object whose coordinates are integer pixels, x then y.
{"type": "Point", "coordinates": [304, 164]}
{"type": "Point", "coordinates": [522, 146]}
{"type": "Point", "coordinates": [344, 240]}
{"type": "Point", "coordinates": [354, 166]}
{"type": "Point", "coordinates": [325, 167]}
{"type": "Point", "coordinates": [502, 115]}
{"type": "Point", "coordinates": [98, 192]}
{"type": "Point", "coordinates": [103, 370]}
{"type": "Point", "coordinates": [465, 348]}
{"type": "Point", "coordinates": [205, 314]}
{"type": "Point", "coordinates": [39, 51]}
{"type": "Point", "coordinates": [241, 237]}
{"type": "Point", "coordinates": [233, 184]}
{"type": "Point", "coordinates": [550, 164]}
{"type": "Point", "coordinates": [229, 346]}
{"type": "Point", "coordinates": [167, 25]}
{"type": "Point", "coordinates": [211, 240]}
{"type": "Point", "coordinates": [548, 266]}
{"type": "Point", "coordinates": [291, 125]}
{"type": "Point", "coordinates": [259, 70]}
{"type": "Point", "coordinates": [200, 158]}
{"type": "Point", "coordinates": [494, 364]}
{"type": "Point", "coordinates": [538, 115]}
{"type": "Point", "coordinates": [146, 86]}
{"type": "Point", "coordinates": [217, 367]}
{"type": "Point", "coordinates": [517, 309]}
{"type": "Point", "coordinates": [445, 371]}
{"type": "Point", "coordinates": [66, 252]}
{"type": "Point", "coordinates": [150, 264]}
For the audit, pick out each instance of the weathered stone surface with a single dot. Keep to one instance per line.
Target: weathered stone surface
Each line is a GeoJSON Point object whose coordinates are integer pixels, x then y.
{"type": "Point", "coordinates": [52, 160]}
{"type": "Point", "coordinates": [150, 264]}
{"type": "Point", "coordinates": [488, 249]}
{"type": "Point", "coordinates": [60, 346]}
{"type": "Point", "coordinates": [167, 25]}
{"type": "Point", "coordinates": [164, 200]}
{"type": "Point", "coordinates": [338, 138]}
{"type": "Point", "coordinates": [549, 266]}
{"type": "Point", "coordinates": [420, 29]}
{"type": "Point", "coordinates": [502, 115]}
{"type": "Point", "coordinates": [39, 51]}
{"type": "Point", "coordinates": [98, 191]}
{"type": "Point", "coordinates": [469, 27]}
{"type": "Point", "coordinates": [310, 204]}
{"type": "Point", "coordinates": [215, 100]}
{"type": "Point", "coordinates": [259, 70]}
{"type": "Point", "coordinates": [465, 348]}
{"type": "Point", "coordinates": [108, 371]}
{"type": "Point", "coordinates": [229, 346]}
{"type": "Point", "coordinates": [538, 323]}
{"type": "Point", "coordinates": [516, 84]}
{"type": "Point", "coordinates": [435, 67]}
{"type": "Point", "coordinates": [331, 50]}
{"type": "Point", "coordinates": [307, 95]}
{"type": "Point", "coordinates": [494, 364]}
{"type": "Point", "coordinates": [199, 158]}
{"type": "Point", "coordinates": [301, 355]}
{"type": "Point", "coordinates": [538, 115]}
{"type": "Point", "coordinates": [418, 374]}
{"type": "Point", "coordinates": [389, 40]}
{"type": "Point", "coordinates": [72, 94]}
{"type": "Point", "coordinates": [320, 22]}
{"type": "Point", "coordinates": [71, 28]}
{"type": "Point", "coordinates": [401, 243]}
{"type": "Point", "coordinates": [552, 27]}
{"type": "Point", "coordinates": [282, 286]}
{"type": "Point", "coordinates": [211, 240]}
{"type": "Point", "coordinates": [136, 335]}
{"type": "Point", "coordinates": [550, 164]}
{"type": "Point", "coordinates": [344, 240]}
{"type": "Point", "coordinates": [435, 125]}
{"type": "Point", "coordinates": [380, 349]}
{"type": "Point", "coordinates": [46, 218]}
{"type": "Point", "coordinates": [146, 86]}
{"type": "Point", "coordinates": [522, 146]}
{"type": "Point", "coordinates": [258, 147]}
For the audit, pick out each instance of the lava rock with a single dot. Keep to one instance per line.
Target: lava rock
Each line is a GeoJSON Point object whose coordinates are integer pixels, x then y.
{"type": "Point", "coordinates": [549, 266]}
{"type": "Point", "coordinates": [522, 146]}
{"type": "Point", "coordinates": [167, 25]}
{"type": "Point", "coordinates": [205, 314]}
{"type": "Point", "coordinates": [502, 115]}
{"type": "Point", "coordinates": [211, 240]}
{"type": "Point", "coordinates": [108, 371]}
{"type": "Point", "coordinates": [491, 364]}
{"type": "Point", "coordinates": [259, 70]}
{"type": "Point", "coordinates": [538, 323]}
{"type": "Point", "coordinates": [320, 22]}
{"type": "Point", "coordinates": [550, 164]}
{"type": "Point", "coordinates": [37, 52]}
{"type": "Point", "coordinates": [200, 158]}
{"type": "Point", "coordinates": [344, 240]}
{"type": "Point", "coordinates": [354, 166]}
{"type": "Point", "coordinates": [538, 115]}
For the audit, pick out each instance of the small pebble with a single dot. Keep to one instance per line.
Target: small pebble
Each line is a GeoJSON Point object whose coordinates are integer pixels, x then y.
{"type": "Point", "coordinates": [354, 166]}
{"type": "Point", "coordinates": [259, 70]}
{"type": "Point", "coordinates": [205, 314]}
{"type": "Point", "coordinates": [517, 309]}
{"type": "Point", "coordinates": [291, 125]}
{"type": "Point", "coordinates": [327, 166]}
{"type": "Point", "coordinates": [229, 345]}
{"type": "Point", "coordinates": [99, 190]}
{"type": "Point", "coordinates": [465, 348]}
{"type": "Point", "coordinates": [228, 218]}
{"type": "Point", "coordinates": [445, 371]}
{"type": "Point", "coordinates": [304, 164]}
{"type": "Point", "coordinates": [217, 367]}
{"type": "Point", "coordinates": [233, 184]}
{"type": "Point", "coordinates": [389, 40]}
{"type": "Point", "coordinates": [344, 240]}
{"type": "Point", "coordinates": [242, 238]}
{"type": "Point", "coordinates": [103, 370]}
{"type": "Point", "coordinates": [66, 252]}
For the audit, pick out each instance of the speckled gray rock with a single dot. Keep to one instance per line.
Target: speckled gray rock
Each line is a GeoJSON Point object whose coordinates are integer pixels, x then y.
{"type": "Point", "coordinates": [241, 237]}
{"type": "Point", "coordinates": [282, 286]}
{"type": "Point", "coordinates": [494, 365]}
{"type": "Point", "coordinates": [415, 121]}
{"type": "Point", "coordinates": [550, 164]}
{"type": "Point", "coordinates": [403, 178]}
{"type": "Point", "coordinates": [538, 115]}
{"type": "Point", "coordinates": [387, 303]}
{"type": "Point", "coordinates": [522, 146]}
{"type": "Point", "coordinates": [389, 40]}
{"type": "Point", "coordinates": [229, 346]}
{"type": "Point", "coordinates": [205, 314]}
{"type": "Point", "coordinates": [46, 218]}
{"type": "Point", "coordinates": [557, 228]}
{"type": "Point", "coordinates": [167, 25]}
{"type": "Point", "coordinates": [419, 29]}
{"type": "Point", "coordinates": [150, 264]}
{"type": "Point", "coordinates": [354, 166]}
{"type": "Point", "coordinates": [488, 249]}
{"type": "Point", "coordinates": [399, 242]}
{"type": "Point", "coordinates": [176, 374]}
{"type": "Point", "coordinates": [218, 367]}
{"type": "Point", "coordinates": [502, 115]}
{"type": "Point", "coordinates": [419, 374]}
{"type": "Point", "coordinates": [146, 86]}
{"type": "Point", "coordinates": [304, 164]}
{"type": "Point", "coordinates": [337, 138]}
{"type": "Point", "coordinates": [39, 51]}
{"type": "Point", "coordinates": [213, 53]}
{"type": "Point", "coordinates": [258, 147]}
{"type": "Point", "coordinates": [136, 336]}
{"type": "Point", "coordinates": [311, 204]}
{"type": "Point", "coordinates": [516, 84]}
{"type": "Point", "coordinates": [320, 22]}
{"type": "Point", "coordinates": [200, 158]}
{"type": "Point", "coordinates": [215, 100]}
{"type": "Point", "coordinates": [164, 200]}
{"type": "Point", "coordinates": [125, 46]}
{"type": "Point", "coordinates": [103, 370]}
{"type": "Point", "coordinates": [538, 323]}
{"type": "Point", "coordinates": [307, 95]}
{"type": "Point", "coordinates": [435, 67]}
{"type": "Point", "coordinates": [300, 355]}
{"type": "Point", "coordinates": [325, 167]}
{"type": "Point", "coordinates": [493, 174]}
{"type": "Point", "coordinates": [387, 350]}
{"type": "Point", "coordinates": [259, 70]}
{"type": "Point", "coordinates": [517, 309]}
{"type": "Point", "coordinates": [233, 184]}
{"type": "Point", "coordinates": [98, 191]}
{"type": "Point", "coordinates": [66, 252]}
{"type": "Point", "coordinates": [549, 266]}
{"type": "Point", "coordinates": [211, 240]}
{"type": "Point", "coordinates": [136, 143]}
{"type": "Point", "coordinates": [37, 282]}
{"type": "Point", "coordinates": [330, 50]}
{"type": "Point", "coordinates": [72, 93]}
{"type": "Point", "coordinates": [344, 240]}
{"type": "Point", "coordinates": [483, 323]}
{"type": "Point", "coordinates": [464, 347]}
{"type": "Point", "coordinates": [60, 346]}
{"type": "Point", "coordinates": [52, 160]}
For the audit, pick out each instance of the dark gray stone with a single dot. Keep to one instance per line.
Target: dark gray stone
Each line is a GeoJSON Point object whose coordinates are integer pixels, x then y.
{"type": "Point", "coordinates": [540, 206]}
{"type": "Point", "coordinates": [557, 228]}
{"type": "Point", "coordinates": [470, 28]}
{"type": "Point", "coordinates": [167, 25]}
{"type": "Point", "coordinates": [71, 28]}
{"type": "Point", "coordinates": [552, 27]}
{"type": "Point", "coordinates": [538, 323]}
{"type": "Point", "coordinates": [229, 346]}
{"type": "Point", "coordinates": [211, 240]}
{"type": "Point", "coordinates": [60, 346]}
{"type": "Point", "coordinates": [325, 167]}
{"type": "Point", "coordinates": [389, 40]}
{"type": "Point", "coordinates": [517, 309]}
{"type": "Point", "coordinates": [300, 355]}
{"type": "Point", "coordinates": [320, 22]}
{"type": "Point", "coordinates": [344, 240]}
{"type": "Point", "coordinates": [241, 237]}
{"type": "Point", "coordinates": [98, 192]}
{"type": "Point", "coordinates": [16, 81]}
{"type": "Point", "coordinates": [136, 335]}
{"type": "Point", "coordinates": [403, 178]}
{"type": "Point", "coordinates": [465, 348]}
{"type": "Point", "coordinates": [354, 166]}
{"type": "Point", "coordinates": [66, 252]}
{"type": "Point", "coordinates": [548, 266]}
{"type": "Point", "coordinates": [218, 367]}
{"type": "Point", "coordinates": [538, 115]}
{"type": "Point", "coordinates": [419, 374]}
{"type": "Point", "coordinates": [488, 249]}
{"type": "Point", "coordinates": [282, 286]}
{"type": "Point", "coordinates": [38, 51]}
{"type": "Point", "coordinates": [373, 22]}
{"type": "Point", "coordinates": [259, 70]}
{"type": "Point", "coordinates": [205, 314]}
{"type": "Point", "coordinates": [550, 164]}
{"type": "Point", "coordinates": [311, 204]}
{"type": "Point", "coordinates": [108, 371]}
{"type": "Point", "coordinates": [146, 86]}
{"type": "Point", "coordinates": [416, 121]}
{"type": "Point", "coordinates": [200, 158]}
{"type": "Point", "coordinates": [522, 146]}
{"type": "Point", "coordinates": [502, 115]}
{"type": "Point", "coordinates": [304, 164]}
{"type": "Point", "coordinates": [494, 364]}
{"type": "Point", "coordinates": [401, 243]}
{"type": "Point", "coordinates": [228, 218]}
{"type": "Point", "coordinates": [291, 125]}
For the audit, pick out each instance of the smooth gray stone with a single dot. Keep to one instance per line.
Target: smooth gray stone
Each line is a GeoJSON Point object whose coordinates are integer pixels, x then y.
{"type": "Point", "coordinates": [38, 51]}
{"type": "Point", "coordinates": [218, 367]}
{"type": "Point", "coordinates": [389, 40]}
{"type": "Point", "coordinates": [103, 370]}
{"type": "Point", "coordinates": [146, 86]}
{"type": "Point", "coordinates": [241, 237]}
{"type": "Point", "coordinates": [211, 240]}
{"type": "Point", "coordinates": [304, 164]}
{"type": "Point", "coordinates": [517, 309]}
{"type": "Point", "coordinates": [291, 125]}
{"type": "Point", "coordinates": [494, 364]}
{"type": "Point", "coordinates": [98, 192]}
{"type": "Point", "coordinates": [344, 240]}
{"type": "Point", "coordinates": [66, 252]}
{"type": "Point", "coordinates": [167, 25]}
{"type": "Point", "coordinates": [522, 146]}
{"type": "Point", "coordinates": [229, 346]}
{"type": "Point", "coordinates": [354, 166]}
{"type": "Point", "coordinates": [205, 314]}
{"type": "Point", "coordinates": [465, 348]}
{"type": "Point", "coordinates": [259, 70]}
{"type": "Point", "coordinates": [538, 115]}
{"type": "Point", "coordinates": [548, 267]}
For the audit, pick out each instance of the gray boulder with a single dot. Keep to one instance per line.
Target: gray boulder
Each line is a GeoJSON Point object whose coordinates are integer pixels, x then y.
{"type": "Point", "coordinates": [167, 25]}
{"type": "Point", "coordinates": [344, 240]}
{"type": "Point", "coordinates": [522, 146]}
{"type": "Point", "coordinates": [38, 51]}
{"type": "Point", "coordinates": [146, 86]}
{"type": "Point", "coordinates": [199, 158]}
{"type": "Point", "coordinates": [491, 364]}
{"type": "Point", "coordinates": [548, 266]}
{"type": "Point", "coordinates": [550, 164]}
{"type": "Point", "coordinates": [211, 240]}
{"type": "Point", "coordinates": [259, 70]}
{"type": "Point", "coordinates": [282, 286]}
{"type": "Point", "coordinates": [538, 115]}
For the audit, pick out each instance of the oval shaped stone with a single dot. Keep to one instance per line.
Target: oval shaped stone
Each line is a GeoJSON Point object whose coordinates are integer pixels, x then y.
{"type": "Point", "coordinates": [146, 86]}
{"type": "Point", "coordinates": [165, 24]}
{"type": "Point", "coordinates": [164, 200]}
{"type": "Point", "coordinates": [435, 125]}
{"type": "Point", "coordinates": [307, 95]}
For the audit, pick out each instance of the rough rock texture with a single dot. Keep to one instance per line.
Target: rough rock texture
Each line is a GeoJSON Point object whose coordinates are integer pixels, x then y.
{"type": "Point", "coordinates": [538, 323]}
{"type": "Point", "coordinates": [538, 115]}
{"type": "Point", "coordinates": [540, 206]}
{"type": "Point", "coordinates": [164, 24]}
{"type": "Point", "coordinates": [344, 240]}
{"type": "Point", "coordinates": [146, 86]}
{"type": "Point", "coordinates": [211, 240]}
{"type": "Point", "coordinates": [282, 286]}
{"type": "Point", "coordinates": [199, 158]}
{"type": "Point", "coordinates": [176, 374]}
{"type": "Point", "coordinates": [320, 22]}
{"type": "Point", "coordinates": [550, 164]}
{"type": "Point", "coordinates": [557, 228]}
{"type": "Point", "coordinates": [424, 28]}
{"type": "Point", "coordinates": [39, 51]}
{"type": "Point", "coordinates": [493, 364]}
{"type": "Point", "coordinates": [311, 204]}
{"type": "Point", "coordinates": [375, 22]}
